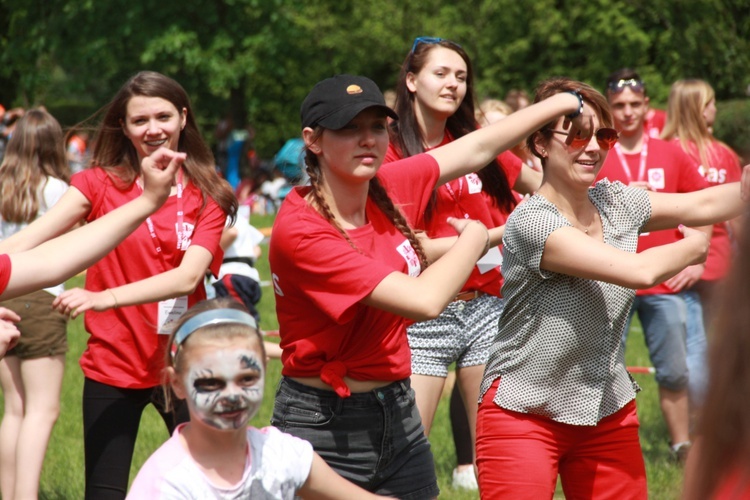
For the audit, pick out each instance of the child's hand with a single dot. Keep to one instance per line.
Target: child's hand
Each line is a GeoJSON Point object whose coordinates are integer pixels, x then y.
{"type": "Point", "coordinates": [158, 170]}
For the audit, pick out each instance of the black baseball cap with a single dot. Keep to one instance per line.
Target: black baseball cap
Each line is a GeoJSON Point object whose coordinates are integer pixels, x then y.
{"type": "Point", "coordinates": [335, 101]}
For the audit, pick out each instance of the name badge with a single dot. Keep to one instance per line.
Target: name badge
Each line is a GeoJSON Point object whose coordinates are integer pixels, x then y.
{"type": "Point", "coordinates": [169, 311]}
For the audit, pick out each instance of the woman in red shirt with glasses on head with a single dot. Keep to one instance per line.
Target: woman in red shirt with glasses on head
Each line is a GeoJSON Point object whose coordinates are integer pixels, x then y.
{"type": "Point", "coordinates": [435, 104]}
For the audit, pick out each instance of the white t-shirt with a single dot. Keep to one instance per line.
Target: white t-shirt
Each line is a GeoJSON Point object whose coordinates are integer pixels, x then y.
{"type": "Point", "coordinates": [51, 192]}
{"type": "Point", "coordinates": [277, 465]}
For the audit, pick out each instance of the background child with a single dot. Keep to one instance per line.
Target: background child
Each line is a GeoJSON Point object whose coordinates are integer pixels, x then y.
{"type": "Point", "coordinates": [217, 363]}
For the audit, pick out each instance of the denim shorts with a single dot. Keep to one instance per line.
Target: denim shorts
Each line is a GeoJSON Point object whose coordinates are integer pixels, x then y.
{"type": "Point", "coordinates": [664, 320]}
{"type": "Point", "coordinates": [374, 439]}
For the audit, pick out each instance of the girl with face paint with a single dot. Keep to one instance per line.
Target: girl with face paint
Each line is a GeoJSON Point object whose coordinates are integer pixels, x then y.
{"type": "Point", "coordinates": [217, 364]}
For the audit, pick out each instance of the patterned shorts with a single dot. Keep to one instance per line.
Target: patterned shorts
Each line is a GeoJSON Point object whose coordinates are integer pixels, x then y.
{"type": "Point", "coordinates": [462, 334]}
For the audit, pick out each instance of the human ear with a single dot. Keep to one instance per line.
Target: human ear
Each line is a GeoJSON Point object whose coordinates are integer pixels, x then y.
{"type": "Point", "coordinates": [410, 82]}
{"type": "Point", "coordinates": [183, 119]}
{"type": "Point", "coordinates": [308, 135]}
{"type": "Point", "coordinates": [178, 387]}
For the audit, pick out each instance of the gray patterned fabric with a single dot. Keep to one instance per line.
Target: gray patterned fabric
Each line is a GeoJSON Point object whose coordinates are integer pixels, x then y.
{"type": "Point", "coordinates": [558, 352]}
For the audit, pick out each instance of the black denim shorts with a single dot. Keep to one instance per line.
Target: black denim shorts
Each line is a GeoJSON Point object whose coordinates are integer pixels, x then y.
{"type": "Point", "coordinates": [374, 439]}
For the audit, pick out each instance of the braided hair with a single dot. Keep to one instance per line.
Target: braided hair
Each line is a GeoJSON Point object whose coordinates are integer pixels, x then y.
{"type": "Point", "coordinates": [376, 192]}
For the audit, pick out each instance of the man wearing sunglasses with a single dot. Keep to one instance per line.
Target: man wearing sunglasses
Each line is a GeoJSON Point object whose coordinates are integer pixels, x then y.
{"type": "Point", "coordinates": [676, 340]}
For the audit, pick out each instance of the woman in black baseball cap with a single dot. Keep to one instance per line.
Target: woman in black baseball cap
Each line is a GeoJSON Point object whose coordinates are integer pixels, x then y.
{"type": "Point", "coordinates": [350, 274]}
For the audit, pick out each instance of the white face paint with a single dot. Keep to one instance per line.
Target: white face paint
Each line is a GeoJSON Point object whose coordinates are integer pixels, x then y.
{"type": "Point", "coordinates": [225, 386]}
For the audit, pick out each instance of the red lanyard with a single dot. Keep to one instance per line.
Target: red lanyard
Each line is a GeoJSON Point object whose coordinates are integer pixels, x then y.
{"type": "Point", "coordinates": [642, 165]}
{"type": "Point", "coordinates": [457, 199]}
{"type": "Point", "coordinates": [180, 219]}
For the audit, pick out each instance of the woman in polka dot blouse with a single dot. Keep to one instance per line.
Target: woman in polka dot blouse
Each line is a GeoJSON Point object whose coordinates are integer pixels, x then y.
{"type": "Point", "coordinates": [556, 397]}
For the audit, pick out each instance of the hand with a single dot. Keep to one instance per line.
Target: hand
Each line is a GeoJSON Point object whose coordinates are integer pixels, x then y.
{"type": "Point", "coordinates": [700, 238]}
{"type": "Point", "coordinates": [686, 278]}
{"type": "Point", "coordinates": [641, 184]}
{"type": "Point", "coordinates": [158, 171]}
{"type": "Point", "coordinates": [581, 127]}
{"type": "Point", "coordinates": [77, 300]}
{"type": "Point", "coordinates": [462, 225]}
{"type": "Point", "coordinates": [9, 334]}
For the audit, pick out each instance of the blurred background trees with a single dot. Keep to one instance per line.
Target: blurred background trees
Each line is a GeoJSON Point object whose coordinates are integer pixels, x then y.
{"type": "Point", "coordinates": [255, 60]}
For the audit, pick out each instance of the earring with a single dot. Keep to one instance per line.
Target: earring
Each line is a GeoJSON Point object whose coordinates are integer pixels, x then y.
{"type": "Point", "coordinates": [544, 153]}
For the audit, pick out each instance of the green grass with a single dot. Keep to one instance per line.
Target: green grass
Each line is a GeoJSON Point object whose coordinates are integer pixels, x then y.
{"type": "Point", "coordinates": [62, 477]}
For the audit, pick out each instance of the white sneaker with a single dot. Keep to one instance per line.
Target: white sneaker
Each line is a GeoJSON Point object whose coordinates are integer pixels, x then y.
{"type": "Point", "coordinates": [465, 479]}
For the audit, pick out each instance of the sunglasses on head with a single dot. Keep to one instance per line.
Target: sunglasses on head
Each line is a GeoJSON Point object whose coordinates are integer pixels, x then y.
{"type": "Point", "coordinates": [619, 85]}
{"type": "Point", "coordinates": [429, 40]}
{"type": "Point", "coordinates": [605, 137]}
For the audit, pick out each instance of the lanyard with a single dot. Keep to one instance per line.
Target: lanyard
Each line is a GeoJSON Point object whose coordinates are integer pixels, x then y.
{"type": "Point", "coordinates": [642, 165]}
{"type": "Point", "coordinates": [180, 219]}
{"type": "Point", "coordinates": [457, 199]}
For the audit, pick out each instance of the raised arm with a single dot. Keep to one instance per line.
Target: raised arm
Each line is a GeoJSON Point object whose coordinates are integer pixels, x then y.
{"type": "Point", "coordinates": [475, 150]}
{"type": "Point", "coordinates": [427, 295]}
{"type": "Point", "coordinates": [60, 258]}
{"type": "Point", "coordinates": [699, 208]}
{"type": "Point", "coordinates": [569, 251]}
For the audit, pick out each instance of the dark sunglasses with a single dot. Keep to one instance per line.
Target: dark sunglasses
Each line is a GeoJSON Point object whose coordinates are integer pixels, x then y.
{"type": "Point", "coordinates": [605, 137]}
{"type": "Point", "coordinates": [620, 85]}
{"type": "Point", "coordinates": [429, 40]}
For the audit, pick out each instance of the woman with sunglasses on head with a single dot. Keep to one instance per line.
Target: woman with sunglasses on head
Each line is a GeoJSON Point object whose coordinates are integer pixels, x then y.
{"type": "Point", "coordinates": [435, 105]}
{"type": "Point", "coordinates": [149, 279]}
{"type": "Point", "coordinates": [690, 113]}
{"type": "Point", "coordinates": [556, 397]}
{"type": "Point", "coordinates": [349, 274]}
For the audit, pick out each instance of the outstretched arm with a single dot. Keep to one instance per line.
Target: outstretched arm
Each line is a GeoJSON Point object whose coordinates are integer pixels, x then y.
{"type": "Point", "coordinates": [699, 208]}
{"type": "Point", "coordinates": [475, 150]}
{"type": "Point", "coordinates": [176, 282]}
{"type": "Point", "coordinates": [569, 251]}
{"type": "Point", "coordinates": [60, 258]}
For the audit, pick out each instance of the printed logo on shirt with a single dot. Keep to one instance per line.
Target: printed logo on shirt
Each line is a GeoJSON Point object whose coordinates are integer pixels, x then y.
{"type": "Point", "coordinates": [474, 183]}
{"type": "Point", "coordinates": [186, 235]}
{"type": "Point", "coordinates": [713, 175]}
{"type": "Point", "coordinates": [656, 178]}
{"type": "Point", "coordinates": [411, 258]}
{"type": "Point", "coordinates": [276, 286]}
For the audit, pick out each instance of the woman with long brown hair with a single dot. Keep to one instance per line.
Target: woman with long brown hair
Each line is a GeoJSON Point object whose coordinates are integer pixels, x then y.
{"type": "Point", "coordinates": [33, 176]}
{"type": "Point", "coordinates": [148, 280]}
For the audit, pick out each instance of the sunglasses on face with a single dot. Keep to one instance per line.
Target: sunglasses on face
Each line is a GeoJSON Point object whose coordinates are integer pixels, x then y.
{"type": "Point", "coordinates": [605, 137]}
{"type": "Point", "coordinates": [620, 85]}
{"type": "Point", "coordinates": [429, 40]}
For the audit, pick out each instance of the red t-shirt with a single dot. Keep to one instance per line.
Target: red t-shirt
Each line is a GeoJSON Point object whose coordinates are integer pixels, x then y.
{"type": "Point", "coordinates": [320, 280]}
{"type": "Point", "coordinates": [668, 169]}
{"type": "Point", "coordinates": [5, 268]}
{"type": "Point", "coordinates": [464, 198]}
{"type": "Point", "coordinates": [724, 167]}
{"type": "Point", "coordinates": [124, 349]}
{"type": "Point", "coordinates": [655, 121]}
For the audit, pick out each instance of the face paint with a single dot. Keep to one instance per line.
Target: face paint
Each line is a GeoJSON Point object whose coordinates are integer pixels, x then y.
{"type": "Point", "coordinates": [225, 387]}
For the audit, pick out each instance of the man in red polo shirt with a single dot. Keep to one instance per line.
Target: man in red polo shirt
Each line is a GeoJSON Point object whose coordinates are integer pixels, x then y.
{"type": "Point", "coordinates": [677, 352]}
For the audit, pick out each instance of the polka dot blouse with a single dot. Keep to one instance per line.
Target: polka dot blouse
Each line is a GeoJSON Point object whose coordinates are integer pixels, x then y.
{"type": "Point", "coordinates": [558, 351]}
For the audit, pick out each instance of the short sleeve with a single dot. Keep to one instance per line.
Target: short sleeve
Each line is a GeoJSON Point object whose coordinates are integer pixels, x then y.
{"type": "Point", "coordinates": [284, 460]}
{"type": "Point", "coordinates": [5, 270]}
{"type": "Point", "coordinates": [511, 166]}
{"type": "Point", "coordinates": [527, 231]}
{"type": "Point", "coordinates": [207, 233]}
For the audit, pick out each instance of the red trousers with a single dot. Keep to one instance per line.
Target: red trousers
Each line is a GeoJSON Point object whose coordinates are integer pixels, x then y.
{"type": "Point", "coordinates": [519, 455]}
